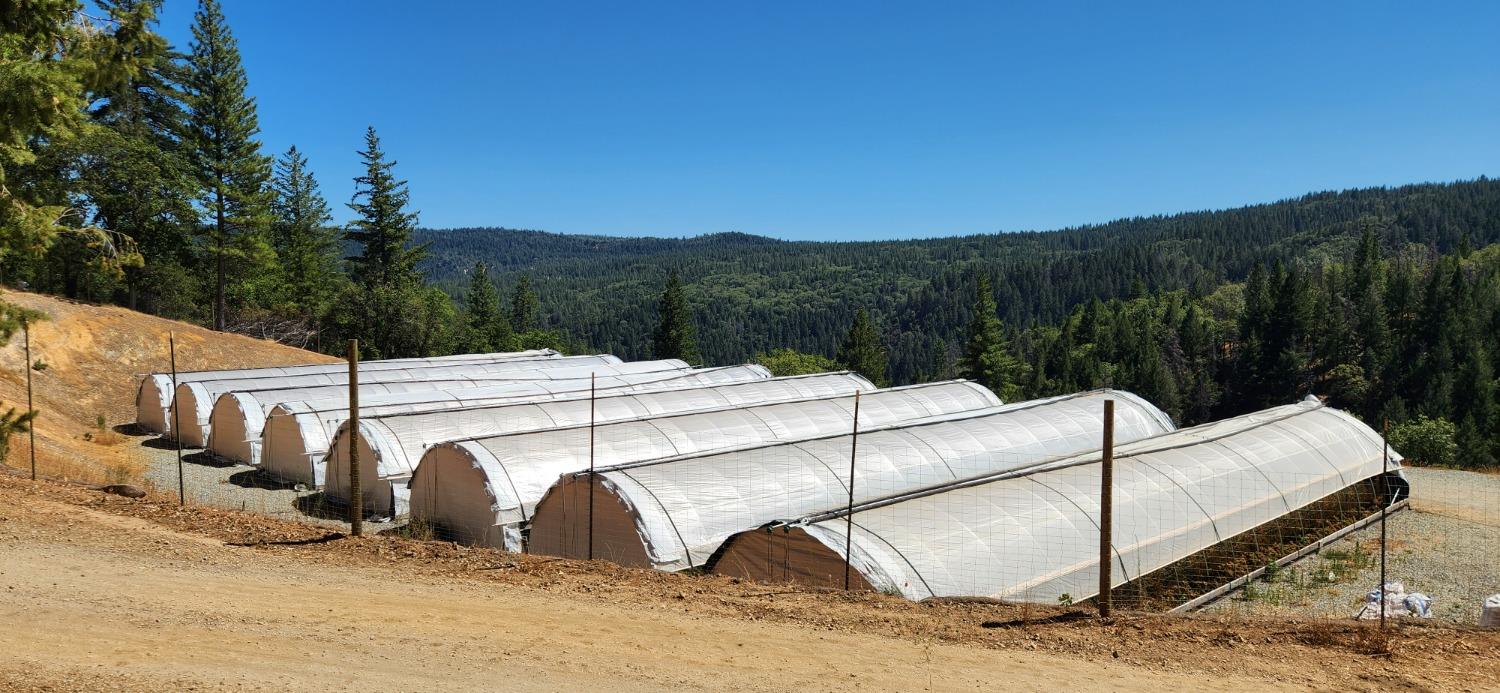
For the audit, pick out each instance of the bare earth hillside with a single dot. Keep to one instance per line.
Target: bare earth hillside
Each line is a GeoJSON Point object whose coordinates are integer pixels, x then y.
{"type": "Point", "coordinates": [94, 356]}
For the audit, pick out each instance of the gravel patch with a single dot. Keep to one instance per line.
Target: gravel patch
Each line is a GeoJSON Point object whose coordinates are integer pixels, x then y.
{"type": "Point", "coordinates": [218, 483]}
{"type": "Point", "coordinates": [1446, 546]}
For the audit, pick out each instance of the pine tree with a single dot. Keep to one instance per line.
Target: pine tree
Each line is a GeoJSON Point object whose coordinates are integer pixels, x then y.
{"type": "Point", "coordinates": [392, 309]}
{"type": "Point", "coordinates": [222, 126]}
{"type": "Point", "coordinates": [524, 306]}
{"type": "Point", "coordinates": [383, 228]}
{"type": "Point", "coordinates": [675, 336]}
{"type": "Point", "coordinates": [987, 358]}
{"type": "Point", "coordinates": [486, 330]}
{"type": "Point", "coordinates": [305, 244]}
{"type": "Point", "coordinates": [862, 352]}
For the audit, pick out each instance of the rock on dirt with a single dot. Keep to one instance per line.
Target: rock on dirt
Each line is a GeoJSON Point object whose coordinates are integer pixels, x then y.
{"type": "Point", "coordinates": [125, 490]}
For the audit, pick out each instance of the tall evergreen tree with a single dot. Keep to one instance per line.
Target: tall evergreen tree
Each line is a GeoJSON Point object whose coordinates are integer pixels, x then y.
{"type": "Point", "coordinates": [987, 357]}
{"type": "Point", "coordinates": [383, 228]}
{"type": "Point", "coordinates": [862, 352]}
{"type": "Point", "coordinates": [485, 329]}
{"type": "Point", "coordinates": [222, 129]}
{"type": "Point", "coordinates": [524, 306]}
{"type": "Point", "coordinates": [675, 336]}
{"type": "Point", "coordinates": [306, 245]}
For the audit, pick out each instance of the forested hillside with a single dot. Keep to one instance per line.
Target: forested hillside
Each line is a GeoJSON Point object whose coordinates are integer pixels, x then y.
{"type": "Point", "coordinates": [752, 294]}
{"type": "Point", "coordinates": [132, 172]}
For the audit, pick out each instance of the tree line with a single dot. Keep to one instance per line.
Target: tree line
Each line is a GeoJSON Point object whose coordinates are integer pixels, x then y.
{"type": "Point", "coordinates": [135, 174]}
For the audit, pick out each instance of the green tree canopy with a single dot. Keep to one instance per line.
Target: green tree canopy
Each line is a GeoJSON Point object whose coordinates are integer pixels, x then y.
{"type": "Point", "coordinates": [675, 336]}
{"type": "Point", "coordinates": [862, 352]}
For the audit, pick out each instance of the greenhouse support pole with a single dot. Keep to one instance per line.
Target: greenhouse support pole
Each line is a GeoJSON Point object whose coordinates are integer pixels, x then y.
{"type": "Point", "coordinates": [30, 427]}
{"type": "Point", "coordinates": [1385, 467]}
{"type": "Point", "coordinates": [356, 494]}
{"type": "Point", "coordinates": [849, 511]}
{"type": "Point", "coordinates": [176, 419]}
{"type": "Point", "coordinates": [592, 380]}
{"type": "Point", "coordinates": [1106, 509]}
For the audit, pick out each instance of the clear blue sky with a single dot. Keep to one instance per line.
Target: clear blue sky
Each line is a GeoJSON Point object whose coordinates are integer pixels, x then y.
{"type": "Point", "coordinates": [832, 120]}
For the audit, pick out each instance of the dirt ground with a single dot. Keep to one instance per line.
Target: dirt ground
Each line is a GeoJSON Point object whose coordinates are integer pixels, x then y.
{"type": "Point", "coordinates": [104, 593]}
{"type": "Point", "coordinates": [93, 358]}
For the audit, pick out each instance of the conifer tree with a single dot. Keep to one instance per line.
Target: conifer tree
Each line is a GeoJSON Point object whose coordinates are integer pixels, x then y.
{"type": "Point", "coordinates": [222, 129]}
{"type": "Point", "coordinates": [306, 246]}
{"type": "Point", "coordinates": [486, 330]}
{"type": "Point", "coordinates": [675, 336]}
{"type": "Point", "coordinates": [862, 352]}
{"type": "Point", "coordinates": [987, 358]}
{"type": "Point", "coordinates": [524, 306]}
{"type": "Point", "coordinates": [383, 228]}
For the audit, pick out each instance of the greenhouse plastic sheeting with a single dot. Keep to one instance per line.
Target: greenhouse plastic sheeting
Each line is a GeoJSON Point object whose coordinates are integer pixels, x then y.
{"type": "Point", "coordinates": [244, 412]}
{"type": "Point", "coordinates": [684, 509]}
{"type": "Point", "coordinates": [394, 444]}
{"type": "Point", "coordinates": [1033, 534]}
{"type": "Point", "coordinates": [296, 436]}
{"type": "Point", "coordinates": [155, 392]}
{"type": "Point", "coordinates": [195, 401]}
{"type": "Point", "coordinates": [517, 470]}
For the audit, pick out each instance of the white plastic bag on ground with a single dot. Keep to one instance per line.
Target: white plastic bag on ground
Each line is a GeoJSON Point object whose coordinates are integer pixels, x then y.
{"type": "Point", "coordinates": [1394, 598]}
{"type": "Point", "coordinates": [1418, 604]}
{"type": "Point", "coordinates": [1489, 615]}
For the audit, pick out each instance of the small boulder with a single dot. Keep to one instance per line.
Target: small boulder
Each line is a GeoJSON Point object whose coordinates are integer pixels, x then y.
{"type": "Point", "coordinates": [125, 490]}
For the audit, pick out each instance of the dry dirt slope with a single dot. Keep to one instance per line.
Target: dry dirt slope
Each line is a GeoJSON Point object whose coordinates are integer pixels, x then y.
{"type": "Point", "coordinates": [94, 355]}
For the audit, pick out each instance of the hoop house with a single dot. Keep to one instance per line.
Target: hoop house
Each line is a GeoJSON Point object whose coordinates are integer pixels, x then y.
{"type": "Point", "coordinates": [238, 417]}
{"type": "Point", "coordinates": [483, 491]}
{"type": "Point", "coordinates": [391, 445]}
{"type": "Point", "coordinates": [1032, 534]}
{"type": "Point", "coordinates": [196, 400]}
{"type": "Point", "coordinates": [154, 394]}
{"type": "Point", "coordinates": [673, 514]}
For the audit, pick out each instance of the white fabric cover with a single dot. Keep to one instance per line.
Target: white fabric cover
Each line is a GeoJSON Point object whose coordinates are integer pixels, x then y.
{"type": "Point", "coordinates": [686, 508]}
{"type": "Point", "coordinates": [1033, 534]}
{"type": "Point", "coordinates": [398, 441]}
{"type": "Point", "coordinates": [154, 393]}
{"type": "Point", "coordinates": [251, 407]}
{"type": "Point", "coordinates": [297, 435]}
{"type": "Point", "coordinates": [196, 400]}
{"type": "Point", "coordinates": [518, 469]}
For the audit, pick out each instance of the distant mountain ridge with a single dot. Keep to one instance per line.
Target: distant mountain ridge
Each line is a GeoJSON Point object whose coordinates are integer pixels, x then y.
{"type": "Point", "coordinates": [753, 293]}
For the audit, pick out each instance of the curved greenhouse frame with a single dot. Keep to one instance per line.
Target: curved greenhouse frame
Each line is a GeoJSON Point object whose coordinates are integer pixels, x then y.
{"type": "Point", "coordinates": [153, 395]}
{"type": "Point", "coordinates": [483, 491]}
{"type": "Point", "coordinates": [673, 514]}
{"type": "Point", "coordinates": [238, 418]}
{"type": "Point", "coordinates": [1032, 534]}
{"type": "Point", "coordinates": [296, 436]}
{"type": "Point", "coordinates": [392, 445]}
{"type": "Point", "coordinates": [196, 400]}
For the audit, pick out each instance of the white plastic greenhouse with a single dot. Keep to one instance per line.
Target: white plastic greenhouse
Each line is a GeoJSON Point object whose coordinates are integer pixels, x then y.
{"type": "Point", "coordinates": [195, 401]}
{"type": "Point", "coordinates": [1032, 534]}
{"type": "Point", "coordinates": [154, 394]}
{"type": "Point", "coordinates": [237, 418]}
{"type": "Point", "coordinates": [392, 445]}
{"type": "Point", "coordinates": [673, 514]}
{"type": "Point", "coordinates": [296, 435]}
{"type": "Point", "coordinates": [483, 491]}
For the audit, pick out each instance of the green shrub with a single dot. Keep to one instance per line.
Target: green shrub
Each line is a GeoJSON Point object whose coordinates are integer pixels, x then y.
{"type": "Point", "coordinates": [1425, 441]}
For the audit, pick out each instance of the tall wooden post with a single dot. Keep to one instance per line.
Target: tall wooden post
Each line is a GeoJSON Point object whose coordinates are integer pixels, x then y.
{"type": "Point", "coordinates": [30, 427]}
{"type": "Point", "coordinates": [176, 419]}
{"type": "Point", "coordinates": [356, 494]}
{"type": "Point", "coordinates": [1107, 511]}
{"type": "Point", "coordinates": [849, 510]}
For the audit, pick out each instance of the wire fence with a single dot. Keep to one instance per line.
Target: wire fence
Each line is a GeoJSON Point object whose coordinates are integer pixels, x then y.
{"type": "Point", "coordinates": [914, 492]}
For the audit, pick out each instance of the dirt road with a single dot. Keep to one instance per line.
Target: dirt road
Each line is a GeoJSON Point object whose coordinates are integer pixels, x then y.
{"type": "Point", "coordinates": [93, 600]}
